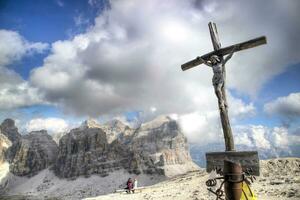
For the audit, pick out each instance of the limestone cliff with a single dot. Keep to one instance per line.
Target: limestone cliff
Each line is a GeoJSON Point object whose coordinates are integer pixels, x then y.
{"type": "Point", "coordinates": [86, 151]}
{"type": "Point", "coordinates": [32, 153]}
{"type": "Point", "coordinates": [9, 129]}
{"type": "Point", "coordinates": [5, 143]}
{"type": "Point", "coordinates": [116, 130]}
{"type": "Point", "coordinates": [157, 147]}
{"type": "Point", "coordinates": [161, 148]}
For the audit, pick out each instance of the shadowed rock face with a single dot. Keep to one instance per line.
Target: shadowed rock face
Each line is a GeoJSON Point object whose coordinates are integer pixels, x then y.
{"type": "Point", "coordinates": [151, 149]}
{"type": "Point", "coordinates": [9, 129]}
{"type": "Point", "coordinates": [32, 153]}
{"type": "Point", "coordinates": [85, 151]}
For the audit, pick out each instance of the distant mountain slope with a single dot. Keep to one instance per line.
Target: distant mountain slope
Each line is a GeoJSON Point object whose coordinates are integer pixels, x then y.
{"type": "Point", "coordinates": [94, 159]}
{"type": "Point", "coordinates": [198, 151]}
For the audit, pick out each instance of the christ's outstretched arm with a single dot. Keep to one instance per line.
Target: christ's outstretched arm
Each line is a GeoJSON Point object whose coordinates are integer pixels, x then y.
{"type": "Point", "coordinates": [229, 56]}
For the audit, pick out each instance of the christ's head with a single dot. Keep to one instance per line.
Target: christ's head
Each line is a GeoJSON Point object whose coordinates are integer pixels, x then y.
{"type": "Point", "coordinates": [215, 59]}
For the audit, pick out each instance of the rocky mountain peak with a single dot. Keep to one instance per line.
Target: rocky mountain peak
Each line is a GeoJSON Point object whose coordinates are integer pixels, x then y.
{"type": "Point", "coordinates": [40, 132]}
{"type": "Point", "coordinates": [9, 129]}
{"type": "Point", "coordinates": [160, 126]}
{"type": "Point", "coordinates": [90, 123]}
{"type": "Point", "coordinates": [157, 122]}
{"type": "Point", "coordinates": [116, 124]}
{"type": "Point", "coordinates": [157, 147]}
{"type": "Point", "coordinates": [8, 123]}
{"type": "Point", "coordinates": [116, 129]}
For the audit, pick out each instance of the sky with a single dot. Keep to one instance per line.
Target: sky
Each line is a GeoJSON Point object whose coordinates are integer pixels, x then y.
{"type": "Point", "coordinates": [64, 61]}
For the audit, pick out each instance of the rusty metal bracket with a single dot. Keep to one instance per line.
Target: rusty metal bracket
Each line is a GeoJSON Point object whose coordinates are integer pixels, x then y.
{"type": "Point", "coordinates": [232, 180]}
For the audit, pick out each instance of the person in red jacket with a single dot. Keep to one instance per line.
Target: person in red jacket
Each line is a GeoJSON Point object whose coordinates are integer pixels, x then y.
{"type": "Point", "coordinates": [129, 185]}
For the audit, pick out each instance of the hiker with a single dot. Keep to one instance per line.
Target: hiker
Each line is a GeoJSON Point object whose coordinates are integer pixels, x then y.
{"type": "Point", "coordinates": [129, 185]}
{"type": "Point", "coordinates": [135, 185]}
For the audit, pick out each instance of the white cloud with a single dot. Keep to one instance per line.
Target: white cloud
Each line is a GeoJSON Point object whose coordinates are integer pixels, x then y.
{"type": "Point", "coordinates": [52, 125]}
{"type": "Point", "coordinates": [239, 109]}
{"type": "Point", "coordinates": [259, 137]}
{"type": "Point", "coordinates": [132, 61]}
{"type": "Point", "coordinates": [288, 106]}
{"type": "Point", "coordinates": [280, 137]}
{"type": "Point", "coordinates": [153, 109]}
{"type": "Point", "coordinates": [20, 95]}
{"type": "Point", "coordinates": [14, 91]}
{"type": "Point", "coordinates": [201, 128]}
{"type": "Point", "coordinates": [80, 20]}
{"type": "Point", "coordinates": [265, 138]}
{"type": "Point", "coordinates": [204, 126]}
{"type": "Point", "coordinates": [243, 139]}
{"type": "Point", "coordinates": [13, 47]}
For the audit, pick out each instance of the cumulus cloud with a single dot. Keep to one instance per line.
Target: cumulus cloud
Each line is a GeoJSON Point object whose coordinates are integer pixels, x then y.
{"type": "Point", "coordinates": [52, 125]}
{"type": "Point", "coordinates": [13, 47]}
{"type": "Point", "coordinates": [201, 128]}
{"type": "Point", "coordinates": [204, 125]}
{"type": "Point", "coordinates": [14, 91]}
{"type": "Point", "coordinates": [287, 106]}
{"type": "Point", "coordinates": [130, 59]}
{"type": "Point", "coordinates": [205, 129]}
{"type": "Point", "coordinates": [263, 137]}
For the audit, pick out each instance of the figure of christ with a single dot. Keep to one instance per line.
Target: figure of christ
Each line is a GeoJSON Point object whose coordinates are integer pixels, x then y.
{"type": "Point", "coordinates": [217, 63]}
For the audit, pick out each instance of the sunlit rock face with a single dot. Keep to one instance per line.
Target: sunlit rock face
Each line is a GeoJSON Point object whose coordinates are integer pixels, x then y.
{"type": "Point", "coordinates": [5, 143]}
{"type": "Point", "coordinates": [116, 130]}
{"type": "Point", "coordinates": [157, 147]}
{"type": "Point", "coordinates": [32, 153]}
{"type": "Point", "coordinates": [162, 148]}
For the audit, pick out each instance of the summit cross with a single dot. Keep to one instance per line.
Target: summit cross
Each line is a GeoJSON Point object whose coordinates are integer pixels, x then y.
{"type": "Point", "coordinates": [216, 60]}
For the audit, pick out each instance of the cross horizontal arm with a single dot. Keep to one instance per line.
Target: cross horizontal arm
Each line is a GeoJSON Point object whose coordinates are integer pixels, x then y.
{"type": "Point", "coordinates": [224, 51]}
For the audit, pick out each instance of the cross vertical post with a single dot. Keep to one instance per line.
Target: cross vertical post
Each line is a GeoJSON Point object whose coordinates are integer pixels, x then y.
{"type": "Point", "coordinates": [229, 142]}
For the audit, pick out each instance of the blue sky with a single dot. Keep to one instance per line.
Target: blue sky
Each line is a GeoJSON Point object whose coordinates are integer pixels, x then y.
{"type": "Point", "coordinates": [142, 36]}
{"type": "Point", "coordinates": [40, 21]}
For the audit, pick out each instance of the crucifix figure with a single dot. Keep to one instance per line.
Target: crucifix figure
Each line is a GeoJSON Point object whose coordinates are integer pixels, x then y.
{"type": "Point", "coordinates": [218, 66]}
{"type": "Point", "coordinates": [234, 163]}
{"type": "Point", "coordinates": [215, 60]}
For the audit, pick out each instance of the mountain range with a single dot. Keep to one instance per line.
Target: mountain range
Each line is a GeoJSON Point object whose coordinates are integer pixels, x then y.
{"type": "Point", "coordinates": [106, 155]}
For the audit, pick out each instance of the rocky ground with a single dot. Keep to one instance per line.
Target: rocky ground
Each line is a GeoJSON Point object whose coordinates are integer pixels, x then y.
{"type": "Point", "coordinates": [280, 179]}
